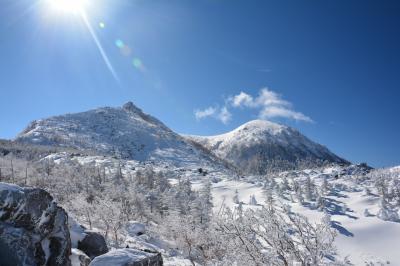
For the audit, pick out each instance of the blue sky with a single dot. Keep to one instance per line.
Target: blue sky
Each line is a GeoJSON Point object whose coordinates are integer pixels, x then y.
{"type": "Point", "coordinates": [329, 68]}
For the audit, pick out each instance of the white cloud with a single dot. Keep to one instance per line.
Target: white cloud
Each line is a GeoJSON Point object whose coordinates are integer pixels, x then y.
{"type": "Point", "coordinates": [270, 104]}
{"type": "Point", "coordinates": [221, 114]}
{"type": "Point", "coordinates": [267, 97]}
{"type": "Point", "coordinates": [242, 99]}
{"type": "Point", "coordinates": [210, 111]}
{"type": "Point", "coordinates": [224, 115]}
{"type": "Point", "coordinates": [276, 111]}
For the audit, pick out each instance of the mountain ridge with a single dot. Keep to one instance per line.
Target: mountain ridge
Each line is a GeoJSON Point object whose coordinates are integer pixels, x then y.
{"type": "Point", "coordinates": [127, 132]}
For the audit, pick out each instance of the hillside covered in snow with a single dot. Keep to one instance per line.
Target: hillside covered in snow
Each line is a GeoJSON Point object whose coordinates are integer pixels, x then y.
{"type": "Point", "coordinates": [125, 132]}
{"type": "Point", "coordinates": [258, 144]}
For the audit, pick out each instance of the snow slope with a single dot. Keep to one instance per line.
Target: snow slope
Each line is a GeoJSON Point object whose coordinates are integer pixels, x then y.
{"type": "Point", "coordinates": [259, 142]}
{"type": "Point", "coordinates": [364, 240]}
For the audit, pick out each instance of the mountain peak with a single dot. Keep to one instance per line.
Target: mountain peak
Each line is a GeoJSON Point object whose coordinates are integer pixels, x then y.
{"type": "Point", "coordinates": [130, 107]}
{"type": "Point", "coordinates": [125, 132]}
{"type": "Point", "coordinates": [253, 146]}
{"type": "Point", "coordinates": [262, 125]}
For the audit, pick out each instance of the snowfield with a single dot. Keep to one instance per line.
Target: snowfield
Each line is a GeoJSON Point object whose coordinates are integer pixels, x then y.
{"type": "Point", "coordinates": [364, 240]}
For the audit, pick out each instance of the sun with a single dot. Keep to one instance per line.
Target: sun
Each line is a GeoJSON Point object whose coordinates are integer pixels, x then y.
{"type": "Point", "coordinates": [69, 6]}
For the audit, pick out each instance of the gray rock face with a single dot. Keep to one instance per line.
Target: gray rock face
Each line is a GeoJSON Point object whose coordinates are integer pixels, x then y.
{"type": "Point", "coordinates": [128, 257]}
{"type": "Point", "coordinates": [33, 229]}
{"type": "Point", "coordinates": [93, 244]}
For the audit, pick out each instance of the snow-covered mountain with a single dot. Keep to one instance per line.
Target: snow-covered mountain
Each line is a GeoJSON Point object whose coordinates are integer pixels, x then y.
{"type": "Point", "coordinates": [258, 143]}
{"type": "Point", "coordinates": [125, 132]}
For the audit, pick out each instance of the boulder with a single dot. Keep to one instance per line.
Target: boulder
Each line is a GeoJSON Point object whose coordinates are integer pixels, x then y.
{"type": "Point", "coordinates": [33, 228]}
{"type": "Point", "coordinates": [78, 258]}
{"type": "Point", "coordinates": [93, 244]}
{"type": "Point", "coordinates": [128, 257]}
{"type": "Point", "coordinates": [141, 243]}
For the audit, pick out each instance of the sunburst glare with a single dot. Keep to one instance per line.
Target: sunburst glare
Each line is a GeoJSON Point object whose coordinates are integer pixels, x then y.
{"type": "Point", "coordinates": [69, 6]}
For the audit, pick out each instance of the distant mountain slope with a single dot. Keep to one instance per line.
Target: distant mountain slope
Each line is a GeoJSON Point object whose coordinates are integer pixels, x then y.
{"type": "Point", "coordinates": [125, 132]}
{"type": "Point", "coordinates": [258, 145]}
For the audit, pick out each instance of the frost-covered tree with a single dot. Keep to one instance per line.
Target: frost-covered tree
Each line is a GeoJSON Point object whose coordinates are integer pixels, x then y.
{"type": "Point", "coordinates": [252, 200]}
{"type": "Point", "coordinates": [299, 195]}
{"type": "Point", "coordinates": [270, 237]}
{"type": "Point", "coordinates": [309, 189]}
{"type": "Point", "coordinates": [236, 197]}
{"type": "Point", "coordinates": [387, 212]}
{"type": "Point", "coordinates": [325, 188]}
{"type": "Point", "coordinates": [285, 184]}
{"type": "Point", "coordinates": [320, 202]}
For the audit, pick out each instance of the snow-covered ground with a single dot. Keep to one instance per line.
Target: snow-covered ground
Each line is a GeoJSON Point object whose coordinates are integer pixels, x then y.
{"type": "Point", "coordinates": [362, 239]}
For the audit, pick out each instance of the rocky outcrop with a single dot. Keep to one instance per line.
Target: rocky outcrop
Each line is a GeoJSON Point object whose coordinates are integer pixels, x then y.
{"type": "Point", "coordinates": [33, 229]}
{"type": "Point", "coordinates": [128, 257]}
{"type": "Point", "coordinates": [93, 244]}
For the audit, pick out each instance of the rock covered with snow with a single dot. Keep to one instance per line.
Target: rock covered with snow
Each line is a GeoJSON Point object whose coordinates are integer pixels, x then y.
{"type": "Point", "coordinates": [128, 257]}
{"type": "Point", "coordinates": [78, 258]}
{"type": "Point", "coordinates": [135, 228]}
{"type": "Point", "coordinates": [261, 141]}
{"type": "Point", "coordinates": [76, 231]}
{"type": "Point", "coordinates": [33, 228]}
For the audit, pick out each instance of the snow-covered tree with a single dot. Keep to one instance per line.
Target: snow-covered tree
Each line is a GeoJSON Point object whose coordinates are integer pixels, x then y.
{"type": "Point", "coordinates": [309, 189]}
{"type": "Point", "coordinates": [252, 200]}
{"type": "Point", "coordinates": [236, 197]}
{"type": "Point", "coordinates": [269, 237]}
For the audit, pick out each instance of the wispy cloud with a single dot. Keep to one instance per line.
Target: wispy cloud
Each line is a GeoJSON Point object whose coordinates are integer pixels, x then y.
{"type": "Point", "coordinates": [221, 114]}
{"type": "Point", "coordinates": [268, 103]}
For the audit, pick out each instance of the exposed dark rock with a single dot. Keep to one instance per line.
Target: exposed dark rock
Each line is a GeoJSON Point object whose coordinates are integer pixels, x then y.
{"type": "Point", "coordinates": [33, 229]}
{"type": "Point", "coordinates": [128, 257]}
{"type": "Point", "coordinates": [93, 244]}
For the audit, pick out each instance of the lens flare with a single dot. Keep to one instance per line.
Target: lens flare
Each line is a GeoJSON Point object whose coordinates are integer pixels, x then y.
{"type": "Point", "coordinates": [119, 43]}
{"type": "Point", "coordinates": [78, 9]}
{"type": "Point", "coordinates": [100, 47]}
{"type": "Point", "coordinates": [137, 63]}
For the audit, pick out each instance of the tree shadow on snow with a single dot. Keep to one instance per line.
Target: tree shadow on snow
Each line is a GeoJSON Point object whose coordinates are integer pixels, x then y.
{"type": "Point", "coordinates": [341, 229]}
{"type": "Point", "coordinates": [332, 207]}
{"type": "Point", "coordinates": [337, 193]}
